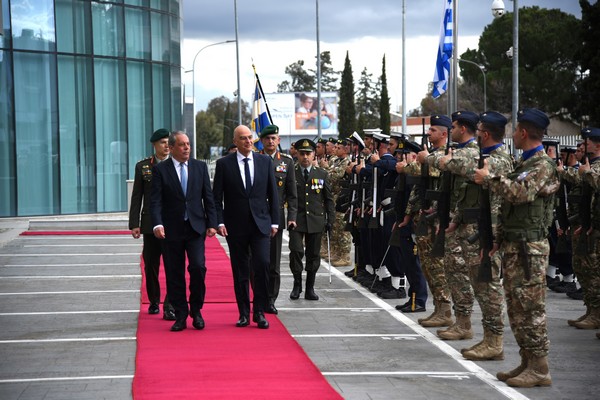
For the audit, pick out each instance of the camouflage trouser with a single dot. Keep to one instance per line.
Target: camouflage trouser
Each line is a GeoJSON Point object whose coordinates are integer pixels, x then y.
{"type": "Point", "coordinates": [526, 299]}
{"type": "Point", "coordinates": [433, 269]}
{"type": "Point", "coordinates": [458, 275]}
{"type": "Point", "coordinates": [340, 240]}
{"type": "Point", "coordinates": [489, 295]}
{"type": "Point", "coordinates": [587, 269]}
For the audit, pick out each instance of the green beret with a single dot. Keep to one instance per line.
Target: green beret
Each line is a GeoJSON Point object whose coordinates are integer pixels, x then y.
{"type": "Point", "coordinates": [269, 130]}
{"type": "Point", "coordinates": [321, 140]}
{"type": "Point", "coordinates": [305, 145]}
{"type": "Point", "coordinates": [159, 134]}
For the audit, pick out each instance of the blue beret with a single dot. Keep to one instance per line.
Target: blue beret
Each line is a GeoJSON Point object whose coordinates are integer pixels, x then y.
{"type": "Point", "coordinates": [466, 117]}
{"type": "Point", "coordinates": [590, 132]}
{"type": "Point", "coordinates": [440, 120]}
{"type": "Point", "coordinates": [493, 118]}
{"type": "Point", "coordinates": [159, 134]}
{"type": "Point", "coordinates": [269, 130]}
{"type": "Point", "coordinates": [535, 116]}
{"type": "Point", "coordinates": [305, 145]}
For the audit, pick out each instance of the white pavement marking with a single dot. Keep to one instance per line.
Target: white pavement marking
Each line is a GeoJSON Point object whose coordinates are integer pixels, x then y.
{"type": "Point", "coordinates": [69, 276]}
{"type": "Point", "coordinates": [470, 366]}
{"type": "Point", "coordinates": [137, 264]}
{"type": "Point", "coordinates": [69, 312]}
{"type": "Point", "coordinates": [70, 254]}
{"type": "Point", "coordinates": [352, 335]}
{"type": "Point", "coordinates": [455, 375]}
{"type": "Point", "coordinates": [70, 292]}
{"type": "Point", "coordinates": [355, 309]}
{"type": "Point", "coordinates": [66, 378]}
{"type": "Point", "coordinates": [97, 339]}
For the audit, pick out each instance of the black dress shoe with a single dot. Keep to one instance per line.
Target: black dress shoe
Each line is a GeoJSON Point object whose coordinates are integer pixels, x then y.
{"type": "Point", "coordinates": [153, 309]}
{"type": "Point", "coordinates": [271, 309]}
{"type": "Point", "coordinates": [198, 321]}
{"type": "Point", "coordinates": [169, 315]}
{"type": "Point", "coordinates": [407, 308]}
{"type": "Point", "coordinates": [243, 321]}
{"type": "Point", "coordinates": [260, 320]}
{"type": "Point", "coordinates": [179, 325]}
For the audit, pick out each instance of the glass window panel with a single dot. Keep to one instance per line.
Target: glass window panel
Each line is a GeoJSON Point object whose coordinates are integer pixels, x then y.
{"type": "Point", "coordinates": [33, 24]}
{"type": "Point", "coordinates": [36, 133]}
{"type": "Point", "coordinates": [8, 186]}
{"type": "Point", "coordinates": [141, 3]}
{"type": "Point", "coordinates": [4, 25]}
{"type": "Point", "coordinates": [160, 37]}
{"type": "Point", "coordinates": [139, 117]}
{"type": "Point", "coordinates": [176, 98]}
{"type": "Point", "coordinates": [137, 27]}
{"type": "Point", "coordinates": [162, 5]}
{"type": "Point", "coordinates": [175, 7]}
{"type": "Point", "coordinates": [77, 144]}
{"type": "Point", "coordinates": [175, 41]}
{"type": "Point", "coordinates": [111, 139]}
{"type": "Point", "coordinates": [107, 21]}
{"type": "Point", "coordinates": [161, 96]}
{"type": "Point", "coordinates": [73, 27]}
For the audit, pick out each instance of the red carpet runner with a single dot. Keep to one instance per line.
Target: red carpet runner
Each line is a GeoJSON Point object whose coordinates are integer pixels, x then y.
{"type": "Point", "coordinates": [222, 361]}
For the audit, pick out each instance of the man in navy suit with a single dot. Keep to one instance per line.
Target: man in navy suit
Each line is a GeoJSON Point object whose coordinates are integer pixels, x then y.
{"type": "Point", "coordinates": [247, 206]}
{"type": "Point", "coordinates": [183, 214]}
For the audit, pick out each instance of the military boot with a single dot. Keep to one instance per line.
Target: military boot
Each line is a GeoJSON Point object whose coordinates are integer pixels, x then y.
{"type": "Point", "coordinates": [592, 321]}
{"type": "Point", "coordinates": [460, 330]}
{"type": "Point", "coordinates": [490, 348]}
{"type": "Point", "coordinates": [297, 289]}
{"type": "Point", "coordinates": [536, 374]}
{"type": "Point", "coordinates": [572, 322]}
{"type": "Point", "coordinates": [443, 317]}
{"type": "Point", "coordinates": [598, 335]}
{"type": "Point", "coordinates": [504, 376]}
{"type": "Point", "coordinates": [434, 313]}
{"type": "Point", "coordinates": [310, 294]}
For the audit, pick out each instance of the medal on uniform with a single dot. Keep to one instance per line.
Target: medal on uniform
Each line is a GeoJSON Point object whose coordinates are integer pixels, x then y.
{"type": "Point", "coordinates": [280, 183]}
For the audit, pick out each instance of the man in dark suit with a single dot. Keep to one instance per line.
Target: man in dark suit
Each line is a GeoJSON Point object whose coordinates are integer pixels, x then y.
{"type": "Point", "coordinates": [283, 165]}
{"type": "Point", "coordinates": [183, 213]}
{"type": "Point", "coordinates": [248, 215]}
{"type": "Point", "coordinates": [140, 203]}
{"type": "Point", "coordinates": [316, 213]}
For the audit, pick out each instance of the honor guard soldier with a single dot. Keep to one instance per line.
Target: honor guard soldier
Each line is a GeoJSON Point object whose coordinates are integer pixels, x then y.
{"type": "Point", "coordinates": [286, 191]}
{"type": "Point", "coordinates": [321, 152]}
{"type": "Point", "coordinates": [340, 239]}
{"type": "Point", "coordinates": [140, 205]}
{"type": "Point", "coordinates": [316, 212]}
{"type": "Point", "coordinates": [526, 213]}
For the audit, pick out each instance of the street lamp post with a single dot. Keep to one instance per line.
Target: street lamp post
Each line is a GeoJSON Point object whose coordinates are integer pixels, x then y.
{"type": "Point", "coordinates": [194, 89]}
{"type": "Point", "coordinates": [482, 69]}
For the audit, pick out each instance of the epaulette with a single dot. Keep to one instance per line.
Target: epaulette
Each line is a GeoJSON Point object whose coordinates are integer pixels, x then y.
{"type": "Point", "coordinates": [145, 159]}
{"type": "Point", "coordinates": [286, 155]}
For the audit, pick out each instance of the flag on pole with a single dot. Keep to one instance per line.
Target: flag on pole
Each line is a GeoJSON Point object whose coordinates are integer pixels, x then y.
{"type": "Point", "coordinates": [444, 53]}
{"type": "Point", "coordinates": [260, 117]}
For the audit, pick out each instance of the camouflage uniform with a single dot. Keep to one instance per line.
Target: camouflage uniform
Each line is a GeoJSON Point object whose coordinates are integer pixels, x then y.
{"type": "Point", "coordinates": [340, 240]}
{"type": "Point", "coordinates": [525, 214]}
{"type": "Point", "coordinates": [489, 295]}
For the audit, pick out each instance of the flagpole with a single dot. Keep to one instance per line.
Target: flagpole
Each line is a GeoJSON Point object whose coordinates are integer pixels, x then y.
{"type": "Point", "coordinates": [318, 76]}
{"type": "Point", "coordinates": [237, 57]}
{"type": "Point", "coordinates": [454, 69]}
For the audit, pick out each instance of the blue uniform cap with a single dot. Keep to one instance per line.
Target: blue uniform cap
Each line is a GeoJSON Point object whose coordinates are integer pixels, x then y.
{"type": "Point", "coordinates": [440, 120]}
{"type": "Point", "coordinates": [535, 116]}
{"type": "Point", "coordinates": [590, 132]}
{"type": "Point", "coordinates": [466, 117]}
{"type": "Point", "coordinates": [493, 118]}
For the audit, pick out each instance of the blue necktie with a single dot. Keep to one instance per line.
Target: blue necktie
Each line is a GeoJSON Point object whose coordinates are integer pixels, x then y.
{"type": "Point", "coordinates": [247, 175]}
{"type": "Point", "coordinates": [183, 178]}
{"type": "Point", "coordinates": [305, 175]}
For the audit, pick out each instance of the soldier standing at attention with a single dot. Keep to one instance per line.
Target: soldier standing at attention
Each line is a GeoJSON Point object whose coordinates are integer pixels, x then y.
{"type": "Point", "coordinates": [340, 240]}
{"type": "Point", "coordinates": [286, 192]}
{"type": "Point", "coordinates": [525, 215]}
{"type": "Point", "coordinates": [140, 202]}
{"type": "Point", "coordinates": [316, 212]}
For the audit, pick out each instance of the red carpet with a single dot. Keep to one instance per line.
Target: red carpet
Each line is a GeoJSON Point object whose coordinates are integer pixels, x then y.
{"type": "Point", "coordinates": [222, 361]}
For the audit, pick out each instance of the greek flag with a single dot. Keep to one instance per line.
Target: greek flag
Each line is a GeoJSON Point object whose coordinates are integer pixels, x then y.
{"type": "Point", "coordinates": [444, 53]}
{"type": "Point", "coordinates": [260, 118]}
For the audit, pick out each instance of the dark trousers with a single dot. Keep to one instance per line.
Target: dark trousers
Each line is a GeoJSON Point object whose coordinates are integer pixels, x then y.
{"type": "Point", "coordinates": [412, 267]}
{"type": "Point", "coordinates": [305, 244]}
{"type": "Point", "coordinates": [240, 249]}
{"type": "Point", "coordinates": [392, 260]}
{"type": "Point", "coordinates": [151, 254]}
{"type": "Point", "coordinates": [275, 266]}
{"type": "Point", "coordinates": [174, 256]}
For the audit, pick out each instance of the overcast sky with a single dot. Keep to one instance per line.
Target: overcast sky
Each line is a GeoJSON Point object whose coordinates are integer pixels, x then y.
{"type": "Point", "coordinates": [276, 33]}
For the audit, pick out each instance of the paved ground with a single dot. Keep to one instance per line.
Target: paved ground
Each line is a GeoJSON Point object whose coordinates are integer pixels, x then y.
{"type": "Point", "coordinates": [69, 306]}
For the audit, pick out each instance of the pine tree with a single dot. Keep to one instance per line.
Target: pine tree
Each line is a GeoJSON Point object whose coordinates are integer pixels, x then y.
{"type": "Point", "coordinates": [384, 102]}
{"type": "Point", "coordinates": [346, 108]}
{"type": "Point", "coordinates": [367, 101]}
{"type": "Point", "coordinates": [590, 63]}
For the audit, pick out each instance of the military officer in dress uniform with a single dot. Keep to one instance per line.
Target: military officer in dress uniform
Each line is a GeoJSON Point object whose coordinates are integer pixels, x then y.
{"type": "Point", "coordinates": [286, 191]}
{"type": "Point", "coordinates": [316, 212]}
{"type": "Point", "coordinates": [140, 203]}
{"type": "Point", "coordinates": [526, 212]}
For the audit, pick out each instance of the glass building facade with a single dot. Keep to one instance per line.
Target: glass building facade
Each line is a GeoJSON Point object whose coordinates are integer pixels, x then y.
{"type": "Point", "coordinates": [82, 86]}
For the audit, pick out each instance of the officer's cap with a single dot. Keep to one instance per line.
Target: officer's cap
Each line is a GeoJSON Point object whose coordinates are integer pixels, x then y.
{"type": "Point", "coordinates": [381, 137]}
{"type": "Point", "coordinates": [468, 118]}
{"type": "Point", "coordinates": [590, 132]}
{"type": "Point", "coordinates": [371, 132]}
{"type": "Point", "coordinates": [534, 116]}
{"type": "Point", "coordinates": [269, 130]}
{"type": "Point", "coordinates": [159, 134]}
{"type": "Point", "coordinates": [548, 141]}
{"type": "Point", "coordinates": [440, 120]}
{"type": "Point", "coordinates": [407, 146]}
{"type": "Point", "coordinates": [305, 145]}
{"type": "Point", "coordinates": [397, 135]}
{"type": "Point", "coordinates": [493, 118]}
{"type": "Point", "coordinates": [358, 140]}
{"type": "Point", "coordinates": [568, 149]}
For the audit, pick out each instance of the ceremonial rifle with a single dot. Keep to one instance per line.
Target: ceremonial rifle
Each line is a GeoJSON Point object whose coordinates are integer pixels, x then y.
{"type": "Point", "coordinates": [423, 227]}
{"type": "Point", "coordinates": [585, 210]}
{"type": "Point", "coordinates": [443, 208]}
{"type": "Point", "coordinates": [484, 225]}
